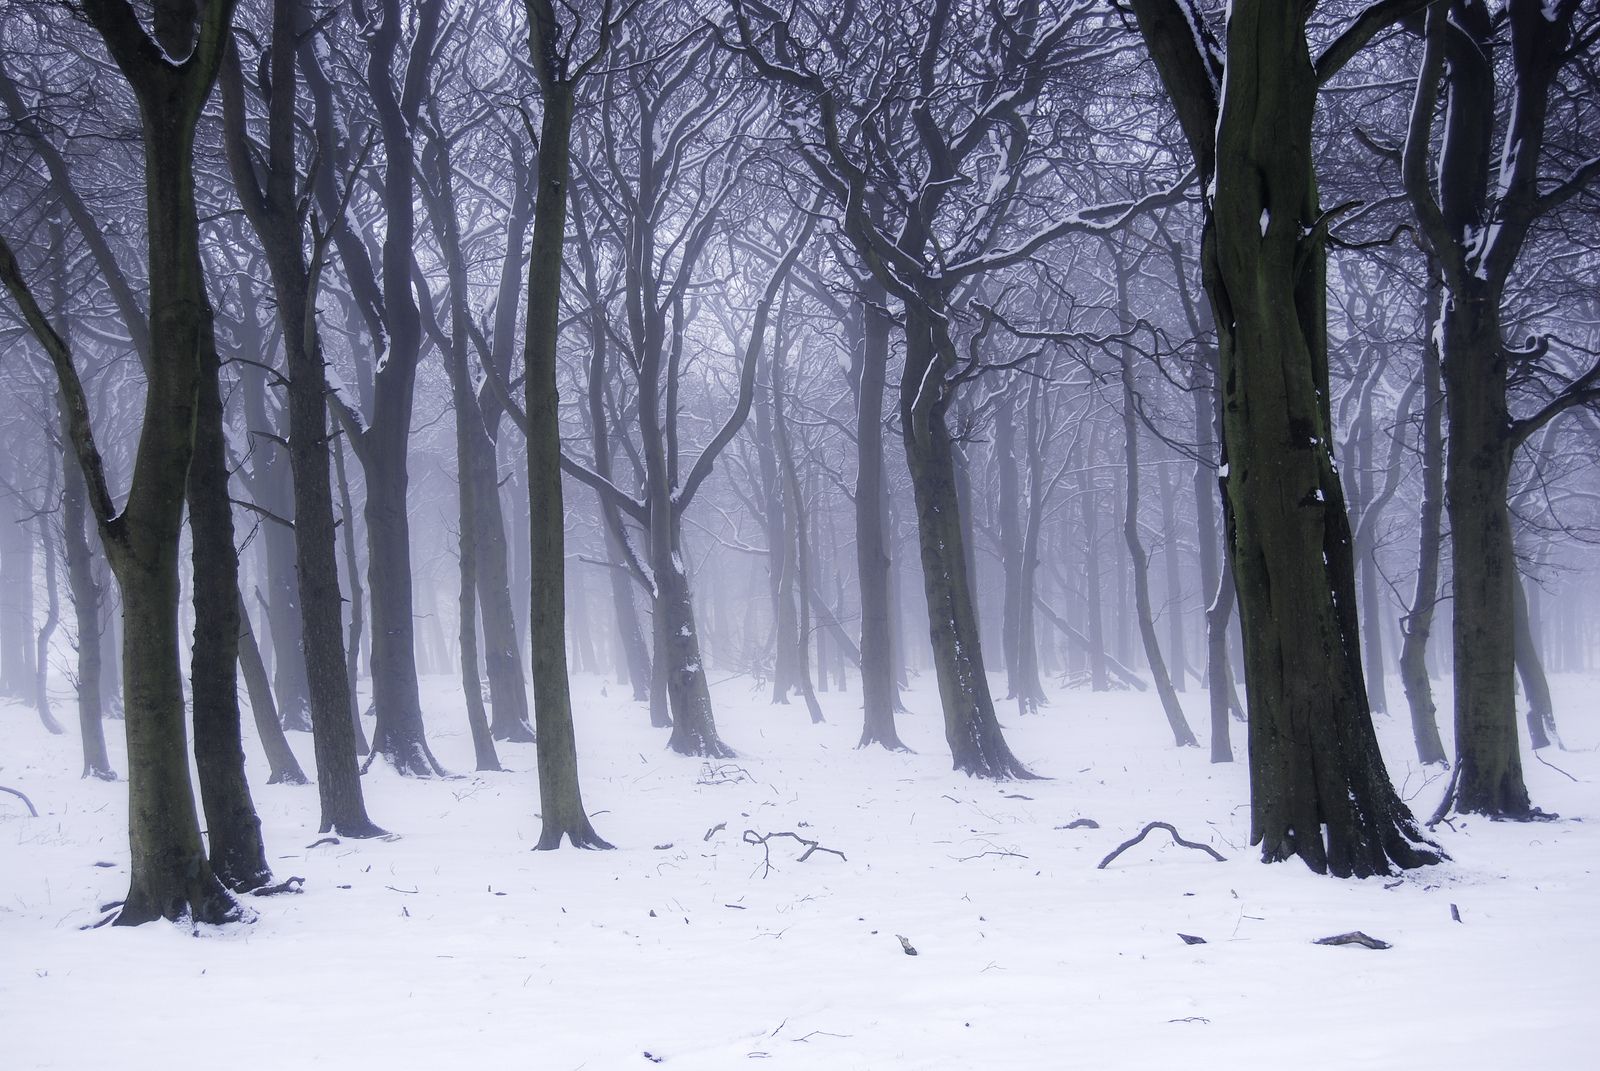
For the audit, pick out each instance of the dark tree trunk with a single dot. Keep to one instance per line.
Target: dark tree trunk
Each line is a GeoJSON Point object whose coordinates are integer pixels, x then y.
{"type": "Point", "coordinates": [977, 746]}
{"type": "Point", "coordinates": [399, 735]}
{"type": "Point", "coordinates": [1319, 789]}
{"type": "Point", "coordinates": [1007, 505]}
{"type": "Point", "coordinates": [560, 798]}
{"type": "Point", "coordinates": [171, 876]}
{"type": "Point", "coordinates": [1484, 568]}
{"type": "Point", "coordinates": [274, 213]}
{"type": "Point", "coordinates": [1475, 217]}
{"type": "Point", "coordinates": [475, 458]}
{"type": "Point", "coordinates": [238, 856]}
{"type": "Point", "coordinates": [271, 484]}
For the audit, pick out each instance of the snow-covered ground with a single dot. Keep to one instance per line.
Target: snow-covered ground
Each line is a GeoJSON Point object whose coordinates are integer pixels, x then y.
{"type": "Point", "coordinates": [458, 946]}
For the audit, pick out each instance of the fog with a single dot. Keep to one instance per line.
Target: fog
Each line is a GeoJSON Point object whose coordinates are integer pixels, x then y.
{"type": "Point", "coordinates": [406, 395]}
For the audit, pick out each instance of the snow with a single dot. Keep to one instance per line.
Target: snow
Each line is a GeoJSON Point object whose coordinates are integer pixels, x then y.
{"type": "Point", "coordinates": [456, 945]}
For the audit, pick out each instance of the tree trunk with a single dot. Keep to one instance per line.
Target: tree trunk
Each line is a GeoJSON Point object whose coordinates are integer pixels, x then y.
{"type": "Point", "coordinates": [283, 766]}
{"type": "Point", "coordinates": [357, 623]}
{"type": "Point", "coordinates": [1182, 735]}
{"type": "Point", "coordinates": [1477, 482]}
{"type": "Point", "coordinates": [238, 856]}
{"type": "Point", "coordinates": [1530, 667]}
{"type": "Point", "coordinates": [275, 213]}
{"type": "Point", "coordinates": [1417, 624]}
{"type": "Point", "coordinates": [16, 592]}
{"type": "Point", "coordinates": [560, 798]}
{"type": "Point", "coordinates": [879, 697]}
{"type": "Point", "coordinates": [1096, 629]}
{"type": "Point", "coordinates": [52, 613]}
{"type": "Point", "coordinates": [977, 746]}
{"type": "Point", "coordinates": [1319, 789]}
{"type": "Point", "coordinates": [86, 601]}
{"type": "Point", "coordinates": [1174, 583]}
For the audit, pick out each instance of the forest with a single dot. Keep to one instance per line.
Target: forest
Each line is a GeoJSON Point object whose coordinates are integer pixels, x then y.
{"type": "Point", "coordinates": [906, 452]}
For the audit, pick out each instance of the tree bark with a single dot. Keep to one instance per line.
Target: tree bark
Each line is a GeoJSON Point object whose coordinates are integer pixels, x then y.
{"type": "Point", "coordinates": [560, 798]}
{"type": "Point", "coordinates": [977, 745]}
{"type": "Point", "coordinates": [1319, 789]}
{"type": "Point", "coordinates": [274, 213]}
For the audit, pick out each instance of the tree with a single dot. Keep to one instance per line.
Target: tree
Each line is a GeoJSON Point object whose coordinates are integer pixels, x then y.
{"type": "Point", "coordinates": [172, 75]}
{"type": "Point", "coordinates": [550, 45]}
{"type": "Point", "coordinates": [1318, 786]}
{"type": "Point", "coordinates": [267, 186]}
{"type": "Point", "coordinates": [1476, 217]}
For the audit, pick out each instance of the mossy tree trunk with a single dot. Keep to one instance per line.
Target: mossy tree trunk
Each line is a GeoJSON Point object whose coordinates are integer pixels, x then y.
{"type": "Point", "coordinates": [1319, 790]}
{"type": "Point", "coordinates": [172, 76]}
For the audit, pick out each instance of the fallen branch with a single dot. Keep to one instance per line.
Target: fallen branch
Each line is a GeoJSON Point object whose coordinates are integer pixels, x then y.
{"type": "Point", "coordinates": [980, 855]}
{"type": "Point", "coordinates": [1556, 768]}
{"type": "Point", "coordinates": [1177, 838]}
{"type": "Point", "coordinates": [1118, 670]}
{"type": "Point", "coordinates": [31, 809]}
{"type": "Point", "coordinates": [727, 773]}
{"type": "Point", "coordinates": [750, 836]}
{"type": "Point", "coordinates": [1081, 823]}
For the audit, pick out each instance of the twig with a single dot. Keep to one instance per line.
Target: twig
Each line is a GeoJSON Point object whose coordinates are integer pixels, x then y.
{"type": "Point", "coordinates": [750, 836]}
{"type": "Point", "coordinates": [1557, 769]}
{"type": "Point", "coordinates": [31, 809]}
{"type": "Point", "coordinates": [1177, 838]}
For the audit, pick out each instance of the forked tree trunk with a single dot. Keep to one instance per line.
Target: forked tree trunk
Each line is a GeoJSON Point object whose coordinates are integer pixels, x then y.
{"type": "Point", "coordinates": [274, 213]}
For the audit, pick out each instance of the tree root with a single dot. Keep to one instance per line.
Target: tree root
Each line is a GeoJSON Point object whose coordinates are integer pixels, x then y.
{"type": "Point", "coordinates": [1177, 838]}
